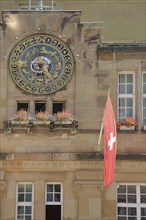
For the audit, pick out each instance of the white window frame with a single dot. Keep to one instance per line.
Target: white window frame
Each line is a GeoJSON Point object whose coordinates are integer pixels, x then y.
{"type": "Point", "coordinates": [126, 95]}
{"type": "Point", "coordinates": [138, 205]}
{"type": "Point", "coordinates": [25, 203]}
{"type": "Point", "coordinates": [61, 195]}
{"type": "Point", "coordinates": [143, 96]}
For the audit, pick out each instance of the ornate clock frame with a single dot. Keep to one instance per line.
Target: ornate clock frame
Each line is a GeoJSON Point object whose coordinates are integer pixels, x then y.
{"type": "Point", "coordinates": [41, 64]}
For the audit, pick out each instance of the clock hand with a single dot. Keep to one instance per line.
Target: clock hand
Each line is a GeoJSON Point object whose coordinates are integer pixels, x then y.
{"type": "Point", "coordinates": [45, 69]}
{"type": "Point", "coordinates": [46, 72]}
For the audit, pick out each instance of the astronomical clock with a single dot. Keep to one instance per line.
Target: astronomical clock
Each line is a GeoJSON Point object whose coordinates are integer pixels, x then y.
{"type": "Point", "coordinates": [41, 64]}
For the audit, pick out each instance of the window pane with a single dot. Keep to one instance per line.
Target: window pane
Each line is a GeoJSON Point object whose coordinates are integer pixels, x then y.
{"type": "Point", "coordinates": [143, 198]}
{"type": "Point", "coordinates": [144, 102]}
{"type": "Point", "coordinates": [121, 102]}
{"type": "Point", "coordinates": [49, 188]}
{"type": "Point", "coordinates": [20, 197]}
{"type": "Point", "coordinates": [131, 189]}
{"type": "Point", "coordinates": [131, 198]}
{"type": "Point", "coordinates": [143, 218]}
{"type": "Point", "coordinates": [21, 188]}
{"type": "Point", "coordinates": [129, 89]}
{"type": "Point", "coordinates": [121, 210]}
{"type": "Point", "coordinates": [122, 218]}
{"type": "Point", "coordinates": [129, 112]}
{"type": "Point", "coordinates": [28, 188]}
{"type": "Point", "coordinates": [129, 102]}
{"type": "Point", "coordinates": [122, 189]}
{"type": "Point", "coordinates": [132, 211]}
{"type": "Point", "coordinates": [49, 197]}
{"type": "Point", "coordinates": [144, 122]}
{"type": "Point", "coordinates": [143, 189]}
{"type": "Point", "coordinates": [144, 78]}
{"type": "Point", "coordinates": [58, 107]}
{"type": "Point", "coordinates": [20, 210]}
{"type": "Point", "coordinates": [129, 78]}
{"type": "Point", "coordinates": [20, 217]}
{"type": "Point", "coordinates": [22, 105]}
{"type": "Point", "coordinates": [28, 217]}
{"type": "Point", "coordinates": [132, 218]}
{"type": "Point", "coordinates": [144, 89]}
{"type": "Point", "coordinates": [57, 188]}
{"type": "Point", "coordinates": [122, 198]}
{"type": "Point", "coordinates": [122, 89]}
{"type": "Point", "coordinates": [144, 113]}
{"type": "Point", "coordinates": [57, 197]}
{"type": "Point", "coordinates": [121, 78]}
{"type": "Point", "coordinates": [28, 197]}
{"type": "Point", "coordinates": [28, 210]}
{"type": "Point", "coordinates": [121, 113]}
{"type": "Point", "coordinates": [40, 107]}
{"type": "Point", "coordinates": [143, 211]}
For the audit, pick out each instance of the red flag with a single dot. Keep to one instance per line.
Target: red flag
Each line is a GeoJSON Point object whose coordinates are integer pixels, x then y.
{"type": "Point", "coordinates": [109, 143]}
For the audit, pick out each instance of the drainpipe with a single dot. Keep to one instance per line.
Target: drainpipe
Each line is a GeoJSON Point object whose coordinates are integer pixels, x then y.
{"type": "Point", "coordinates": [29, 5]}
{"type": "Point", "coordinates": [40, 5]}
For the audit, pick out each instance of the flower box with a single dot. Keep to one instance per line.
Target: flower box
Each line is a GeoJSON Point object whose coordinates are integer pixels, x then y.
{"type": "Point", "coordinates": [128, 123]}
{"type": "Point", "coordinates": [144, 127]}
{"type": "Point", "coordinates": [42, 122]}
{"type": "Point", "coordinates": [125, 128]}
{"type": "Point", "coordinates": [23, 120]}
{"type": "Point", "coordinates": [63, 123]}
{"type": "Point", "coordinates": [19, 122]}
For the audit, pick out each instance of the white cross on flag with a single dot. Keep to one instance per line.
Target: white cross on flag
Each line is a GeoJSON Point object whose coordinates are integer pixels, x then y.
{"type": "Point", "coordinates": [109, 143]}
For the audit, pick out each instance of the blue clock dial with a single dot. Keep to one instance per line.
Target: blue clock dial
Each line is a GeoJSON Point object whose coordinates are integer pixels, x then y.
{"type": "Point", "coordinates": [41, 64]}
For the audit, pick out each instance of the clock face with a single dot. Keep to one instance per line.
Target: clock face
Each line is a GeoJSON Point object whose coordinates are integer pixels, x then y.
{"type": "Point", "coordinates": [41, 64]}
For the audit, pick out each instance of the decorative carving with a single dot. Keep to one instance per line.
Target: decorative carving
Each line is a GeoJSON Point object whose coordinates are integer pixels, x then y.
{"type": "Point", "coordinates": [2, 174]}
{"type": "Point", "coordinates": [3, 185]}
{"type": "Point", "coordinates": [77, 186]}
{"type": "Point", "coordinates": [68, 165]}
{"type": "Point", "coordinates": [2, 182]}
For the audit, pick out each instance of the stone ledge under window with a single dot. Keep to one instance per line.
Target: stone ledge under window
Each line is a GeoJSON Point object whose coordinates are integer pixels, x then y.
{"type": "Point", "coordinates": [29, 127]}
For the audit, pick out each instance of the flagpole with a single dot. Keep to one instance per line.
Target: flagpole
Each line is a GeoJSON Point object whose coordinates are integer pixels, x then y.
{"type": "Point", "coordinates": [102, 124]}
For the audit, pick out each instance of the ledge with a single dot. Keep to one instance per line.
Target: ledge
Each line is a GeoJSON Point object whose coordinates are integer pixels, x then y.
{"type": "Point", "coordinates": [121, 47]}
{"type": "Point", "coordinates": [82, 156]}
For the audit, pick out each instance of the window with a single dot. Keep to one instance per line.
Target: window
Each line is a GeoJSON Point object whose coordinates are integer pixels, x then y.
{"type": "Point", "coordinates": [58, 107]}
{"type": "Point", "coordinates": [131, 202]}
{"type": "Point", "coordinates": [24, 201]}
{"type": "Point", "coordinates": [144, 99]}
{"type": "Point", "coordinates": [22, 105]}
{"type": "Point", "coordinates": [40, 107]}
{"type": "Point", "coordinates": [126, 95]}
{"type": "Point", "coordinates": [53, 201]}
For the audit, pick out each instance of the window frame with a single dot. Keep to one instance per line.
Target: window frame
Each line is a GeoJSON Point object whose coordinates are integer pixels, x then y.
{"type": "Point", "coordinates": [138, 205]}
{"type": "Point", "coordinates": [57, 102]}
{"type": "Point", "coordinates": [24, 203]}
{"type": "Point", "coordinates": [61, 193]}
{"type": "Point", "coordinates": [143, 96]}
{"type": "Point", "coordinates": [132, 95]}
{"type": "Point", "coordinates": [27, 102]}
{"type": "Point", "coordinates": [40, 101]}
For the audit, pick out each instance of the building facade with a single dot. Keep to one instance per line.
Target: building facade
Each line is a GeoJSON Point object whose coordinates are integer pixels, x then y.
{"type": "Point", "coordinates": [51, 165]}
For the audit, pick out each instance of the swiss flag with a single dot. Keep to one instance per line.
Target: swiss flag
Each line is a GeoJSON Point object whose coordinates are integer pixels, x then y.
{"type": "Point", "coordinates": [109, 144]}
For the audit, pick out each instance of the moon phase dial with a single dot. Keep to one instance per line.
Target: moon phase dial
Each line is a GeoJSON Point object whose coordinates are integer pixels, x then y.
{"type": "Point", "coordinates": [41, 64]}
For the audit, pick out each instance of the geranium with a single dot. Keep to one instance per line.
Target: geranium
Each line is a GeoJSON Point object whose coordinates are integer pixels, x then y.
{"type": "Point", "coordinates": [43, 116]}
{"type": "Point", "coordinates": [62, 116]}
{"type": "Point", "coordinates": [20, 115]}
{"type": "Point", "coordinates": [128, 122]}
